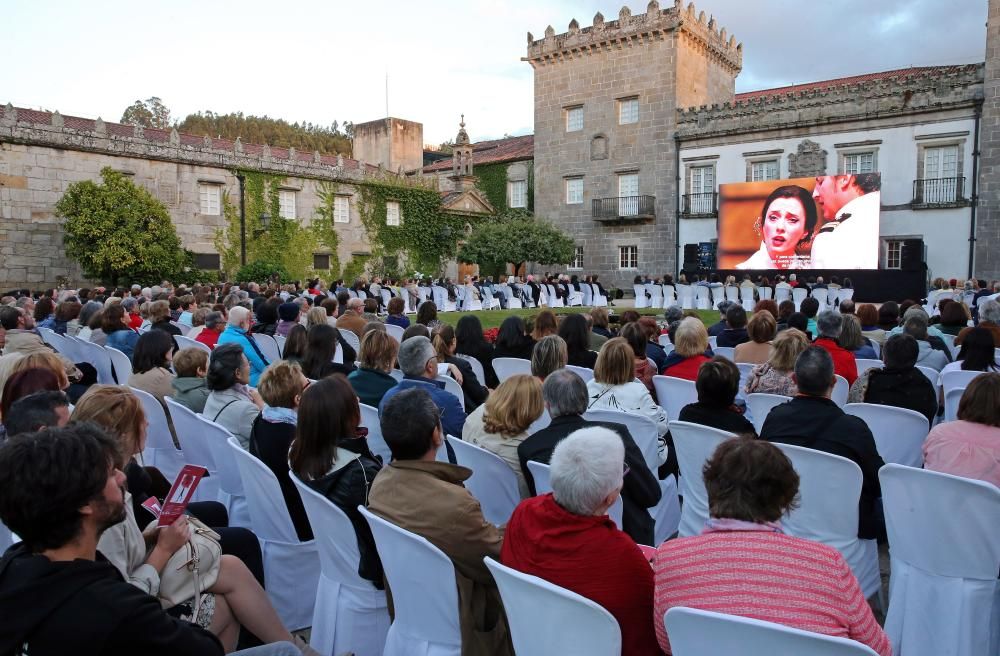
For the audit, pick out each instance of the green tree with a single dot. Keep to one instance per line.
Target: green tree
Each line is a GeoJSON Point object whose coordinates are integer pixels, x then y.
{"type": "Point", "coordinates": [117, 231]}
{"type": "Point", "coordinates": [516, 237]}
{"type": "Point", "coordinates": [304, 136]}
{"type": "Point", "coordinates": [149, 113]}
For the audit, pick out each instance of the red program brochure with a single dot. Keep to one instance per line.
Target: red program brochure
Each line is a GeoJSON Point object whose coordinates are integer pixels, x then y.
{"type": "Point", "coordinates": [152, 504]}
{"type": "Point", "coordinates": [180, 494]}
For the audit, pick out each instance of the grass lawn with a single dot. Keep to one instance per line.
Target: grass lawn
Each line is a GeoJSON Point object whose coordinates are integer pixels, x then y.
{"type": "Point", "coordinates": [493, 318]}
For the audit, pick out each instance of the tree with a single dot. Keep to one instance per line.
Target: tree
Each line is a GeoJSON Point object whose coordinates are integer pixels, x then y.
{"type": "Point", "coordinates": [515, 238]}
{"type": "Point", "coordinates": [116, 230]}
{"type": "Point", "coordinates": [149, 113]}
{"type": "Point", "coordinates": [275, 132]}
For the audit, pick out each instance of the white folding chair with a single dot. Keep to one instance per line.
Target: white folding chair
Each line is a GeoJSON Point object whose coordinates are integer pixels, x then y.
{"type": "Point", "coordinates": [732, 293]}
{"type": "Point", "coordinates": [782, 294]}
{"type": "Point", "coordinates": [640, 296]}
{"type": "Point", "coordinates": [931, 373]}
{"type": "Point", "coordinates": [821, 295]}
{"type": "Point", "coordinates": [351, 338]}
{"type": "Point", "coordinates": [759, 406]}
{"type": "Point", "coordinates": [477, 367]}
{"type": "Point", "coordinates": [949, 341]}
{"type": "Point", "coordinates": [471, 303]}
{"type": "Point", "coordinates": [899, 433]}
{"type": "Point", "coordinates": [278, 338]}
{"type": "Point", "coordinates": [231, 491]}
{"type": "Point", "coordinates": [101, 360]}
{"type": "Point", "coordinates": [685, 297]}
{"type": "Point", "coordinates": [642, 429]}
{"type": "Point", "coordinates": [799, 294]}
{"type": "Point", "coordinates": [945, 552]}
{"type": "Point", "coordinates": [181, 327]}
{"type": "Point", "coordinates": [121, 366]}
{"type": "Point", "coordinates": [600, 300]}
{"type": "Point", "coordinates": [507, 367]}
{"type": "Point", "coordinates": [864, 364]}
{"type": "Point", "coordinates": [396, 332]}
{"type": "Point", "coordinates": [351, 614]}
{"type": "Point", "coordinates": [696, 632]}
{"type": "Point", "coordinates": [493, 482]}
{"type": "Point", "coordinates": [545, 619]}
{"type": "Point", "coordinates": [541, 474]}
{"type": "Point", "coordinates": [291, 567]}
{"type": "Point", "coordinates": [376, 442]}
{"type": "Point", "coordinates": [701, 297]}
{"type": "Point", "coordinates": [160, 451]}
{"type": "Point", "coordinates": [713, 342]}
{"type": "Point", "coordinates": [674, 393]}
{"type": "Point", "coordinates": [664, 341]}
{"type": "Point", "coordinates": [840, 391]}
{"type": "Point", "coordinates": [587, 294]}
{"type": "Point", "coordinates": [746, 298]}
{"type": "Point", "coordinates": [189, 428]}
{"type": "Point", "coordinates": [655, 294]}
{"type": "Point", "coordinates": [513, 300]}
{"type": "Point", "coordinates": [765, 293]}
{"type": "Point", "coordinates": [728, 352]}
{"type": "Point", "coordinates": [694, 445]}
{"type": "Point", "coordinates": [424, 592]}
{"type": "Point", "coordinates": [951, 400]}
{"type": "Point", "coordinates": [267, 346]}
{"type": "Point", "coordinates": [957, 379]}
{"type": "Point", "coordinates": [186, 342]}
{"type": "Point", "coordinates": [829, 490]}
{"type": "Point", "coordinates": [451, 385]}
{"type": "Point", "coordinates": [669, 296]}
{"type": "Point", "coordinates": [585, 373]}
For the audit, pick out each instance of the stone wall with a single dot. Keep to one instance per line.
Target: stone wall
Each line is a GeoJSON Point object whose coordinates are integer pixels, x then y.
{"type": "Point", "coordinates": [391, 143]}
{"type": "Point", "coordinates": [987, 252]}
{"type": "Point", "coordinates": [41, 154]}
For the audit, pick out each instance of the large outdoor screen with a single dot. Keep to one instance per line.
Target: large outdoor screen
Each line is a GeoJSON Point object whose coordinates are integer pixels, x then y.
{"type": "Point", "coordinates": [827, 222]}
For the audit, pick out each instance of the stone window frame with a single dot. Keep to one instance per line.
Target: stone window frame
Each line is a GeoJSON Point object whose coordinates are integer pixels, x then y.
{"type": "Point", "coordinates": [216, 188]}
{"type": "Point", "coordinates": [847, 150]}
{"type": "Point", "coordinates": [393, 213]}
{"type": "Point", "coordinates": [622, 257]}
{"type": "Point", "coordinates": [317, 261]}
{"type": "Point", "coordinates": [566, 189]}
{"type": "Point", "coordinates": [570, 113]}
{"type": "Point", "coordinates": [621, 102]}
{"type": "Point", "coordinates": [711, 163]}
{"type": "Point", "coordinates": [510, 193]}
{"type": "Point", "coordinates": [751, 161]}
{"type": "Point", "coordinates": [342, 215]}
{"type": "Point", "coordinates": [959, 141]}
{"type": "Point", "coordinates": [283, 194]}
{"type": "Point", "coordinates": [577, 263]}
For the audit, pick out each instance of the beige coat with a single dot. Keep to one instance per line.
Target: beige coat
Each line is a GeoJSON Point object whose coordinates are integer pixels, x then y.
{"type": "Point", "coordinates": [20, 343]}
{"type": "Point", "coordinates": [125, 547]}
{"type": "Point", "coordinates": [429, 499]}
{"type": "Point", "coordinates": [157, 381]}
{"type": "Point", "coordinates": [506, 447]}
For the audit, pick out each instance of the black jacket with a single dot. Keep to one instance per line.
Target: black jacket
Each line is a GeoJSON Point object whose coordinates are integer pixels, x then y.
{"type": "Point", "coordinates": [818, 423]}
{"type": "Point", "coordinates": [522, 351]}
{"type": "Point", "coordinates": [84, 607]}
{"type": "Point", "coordinates": [475, 394]}
{"type": "Point", "coordinates": [725, 419]}
{"type": "Point", "coordinates": [716, 329]}
{"type": "Point", "coordinates": [264, 328]}
{"type": "Point", "coordinates": [584, 358]}
{"type": "Point", "coordinates": [641, 489]}
{"type": "Point", "coordinates": [269, 442]}
{"type": "Point", "coordinates": [347, 488]}
{"type": "Point", "coordinates": [485, 356]}
{"type": "Point", "coordinates": [732, 337]}
{"type": "Point", "coordinates": [903, 388]}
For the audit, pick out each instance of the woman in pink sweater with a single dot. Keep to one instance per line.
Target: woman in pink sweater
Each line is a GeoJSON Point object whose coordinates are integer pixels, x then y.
{"type": "Point", "coordinates": [970, 447]}
{"type": "Point", "coordinates": [742, 564]}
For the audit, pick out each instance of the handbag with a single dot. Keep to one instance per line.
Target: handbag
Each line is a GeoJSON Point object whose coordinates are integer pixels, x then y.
{"type": "Point", "coordinates": [192, 569]}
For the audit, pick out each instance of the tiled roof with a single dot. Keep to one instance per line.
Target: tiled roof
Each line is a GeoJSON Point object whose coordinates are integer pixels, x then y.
{"type": "Point", "coordinates": [157, 135]}
{"type": "Point", "coordinates": [510, 149]}
{"type": "Point", "coordinates": [854, 79]}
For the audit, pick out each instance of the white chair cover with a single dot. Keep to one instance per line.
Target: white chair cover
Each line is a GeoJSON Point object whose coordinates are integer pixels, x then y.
{"type": "Point", "coordinates": [822, 296]}
{"type": "Point", "coordinates": [701, 297]}
{"type": "Point", "coordinates": [6, 539]}
{"type": "Point", "coordinates": [799, 294]}
{"type": "Point", "coordinates": [82, 351]}
{"type": "Point", "coordinates": [267, 346]}
{"type": "Point", "coordinates": [673, 394]}
{"type": "Point", "coordinates": [351, 338]}
{"type": "Point", "coordinates": [600, 300]}
{"type": "Point", "coordinates": [694, 444]}
{"type": "Point", "coordinates": [554, 300]}
{"type": "Point", "coordinates": [669, 296]}
{"type": "Point", "coordinates": [746, 369]}
{"type": "Point", "coordinates": [351, 615]}
{"type": "Point", "coordinates": [713, 341]}
{"type": "Point", "coordinates": [186, 342]}
{"type": "Point", "coordinates": [951, 400]}
{"type": "Point", "coordinates": [493, 483]}
{"type": "Point", "coordinates": [396, 332]}
{"type": "Point", "coordinates": [782, 294]}
{"type": "Point", "coordinates": [829, 490]}
{"type": "Point", "coordinates": [640, 296]}
{"type": "Point", "coordinates": [746, 298]}
{"type": "Point", "coordinates": [949, 341]}
{"type": "Point", "coordinates": [846, 294]}
{"type": "Point", "coordinates": [840, 391]}
{"type": "Point", "coordinates": [695, 632]}
{"type": "Point", "coordinates": [477, 367]}
{"type": "Point", "coordinates": [507, 367]}
{"type": "Point", "coordinates": [376, 442]}
{"type": "Point", "coordinates": [656, 295]}
{"type": "Point", "coordinates": [932, 374]}
{"type": "Point", "coordinates": [717, 294]}
{"type": "Point", "coordinates": [588, 294]}
{"type": "Point", "coordinates": [190, 434]}
{"type": "Point", "coordinates": [864, 364]}
{"type": "Point", "coordinates": [575, 298]}
{"type": "Point", "coordinates": [585, 373]}
{"type": "Point", "coordinates": [899, 433]}
{"type": "Point", "coordinates": [664, 341]}
{"type": "Point", "coordinates": [545, 619]}
{"type": "Point", "coordinates": [513, 299]}
{"type": "Point", "coordinates": [397, 374]}
{"type": "Point", "coordinates": [759, 405]}
{"type": "Point", "coordinates": [945, 550]}
{"type": "Point", "coordinates": [642, 429]}
{"type": "Point", "coordinates": [542, 422]}
{"type": "Point", "coordinates": [291, 567]}
{"type": "Point", "coordinates": [685, 297]}
{"type": "Point", "coordinates": [114, 363]}
{"type": "Point", "coordinates": [440, 297]}
{"type": "Point", "coordinates": [766, 293]}
{"type": "Point", "coordinates": [230, 482]}
{"type": "Point", "coordinates": [424, 593]}
{"type": "Point", "coordinates": [728, 352]}
{"type": "Point", "coordinates": [957, 379]}
{"type": "Point", "coordinates": [386, 296]}
{"type": "Point", "coordinates": [160, 451]}
{"type": "Point", "coordinates": [451, 385]}
{"type": "Point", "coordinates": [732, 293]}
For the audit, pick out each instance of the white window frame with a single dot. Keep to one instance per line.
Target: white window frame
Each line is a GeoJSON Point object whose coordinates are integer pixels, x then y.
{"type": "Point", "coordinates": [859, 161]}
{"type": "Point", "coordinates": [517, 193]}
{"type": "Point", "coordinates": [628, 257]}
{"type": "Point", "coordinates": [341, 209]}
{"type": "Point", "coordinates": [577, 263]}
{"type": "Point", "coordinates": [286, 204]}
{"type": "Point", "coordinates": [393, 213]}
{"type": "Point", "coordinates": [574, 190]}
{"type": "Point", "coordinates": [209, 199]}
{"type": "Point", "coordinates": [628, 111]}
{"type": "Point", "coordinates": [574, 119]}
{"type": "Point", "coordinates": [765, 169]}
{"type": "Point", "coordinates": [892, 250]}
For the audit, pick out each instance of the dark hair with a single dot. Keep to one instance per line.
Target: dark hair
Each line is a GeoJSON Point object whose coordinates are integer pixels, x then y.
{"type": "Point", "coordinates": [718, 382]}
{"type": "Point", "coordinates": [511, 334]}
{"type": "Point", "coordinates": [408, 422]}
{"type": "Point", "coordinates": [111, 320]}
{"type": "Point", "coordinates": [804, 197]}
{"type": "Point", "coordinates": [46, 477]}
{"type": "Point", "coordinates": [328, 413]}
{"type": "Point", "coordinates": [9, 316]}
{"type": "Point", "coordinates": [24, 383]}
{"type": "Point", "coordinates": [222, 367]}
{"type": "Point", "coordinates": [151, 351]}
{"type": "Point", "coordinates": [330, 305]}
{"type": "Point", "coordinates": [321, 346]}
{"type": "Point", "coordinates": [736, 316]}
{"type": "Point", "coordinates": [427, 312]}
{"type": "Point", "coordinates": [867, 315]}
{"type": "Point", "coordinates": [573, 330]}
{"type": "Point", "coordinates": [628, 316]}
{"type": "Point", "coordinates": [785, 310]}
{"type": "Point", "coordinates": [980, 402]}
{"type": "Point", "coordinates": [416, 330]}
{"type": "Point", "coordinates": [634, 334]}
{"type": "Point", "coordinates": [295, 343]}
{"type": "Point", "coordinates": [867, 183]}
{"type": "Point", "coordinates": [900, 351]}
{"type": "Point", "coordinates": [43, 308]}
{"type": "Point", "coordinates": [953, 314]}
{"type": "Point", "coordinates": [978, 353]}
{"type": "Point", "coordinates": [750, 480]}
{"type": "Point", "coordinates": [814, 371]}
{"type": "Point", "coordinates": [396, 305]}
{"type": "Point", "coordinates": [888, 315]}
{"type": "Point", "coordinates": [809, 307]}
{"type": "Point", "coordinates": [31, 412]}
{"type": "Point", "coordinates": [768, 305]}
{"type": "Point", "coordinates": [469, 334]}
{"type": "Point", "coordinates": [371, 305]}
{"type": "Point", "coordinates": [342, 299]}
{"type": "Point", "coordinates": [68, 310]}
{"type": "Point", "coordinates": [267, 312]}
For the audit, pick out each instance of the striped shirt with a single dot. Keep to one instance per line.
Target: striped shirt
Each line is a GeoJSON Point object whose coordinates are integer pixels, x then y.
{"type": "Point", "coordinates": [765, 575]}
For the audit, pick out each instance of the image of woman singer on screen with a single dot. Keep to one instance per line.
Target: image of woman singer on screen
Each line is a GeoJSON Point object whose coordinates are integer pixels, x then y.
{"type": "Point", "coordinates": [786, 222]}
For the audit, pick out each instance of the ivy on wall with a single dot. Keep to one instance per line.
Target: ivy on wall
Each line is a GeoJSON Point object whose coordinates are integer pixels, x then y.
{"type": "Point", "coordinates": [492, 181]}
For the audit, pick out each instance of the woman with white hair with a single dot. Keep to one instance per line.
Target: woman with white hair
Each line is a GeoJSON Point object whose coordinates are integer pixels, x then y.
{"type": "Point", "coordinates": [567, 538]}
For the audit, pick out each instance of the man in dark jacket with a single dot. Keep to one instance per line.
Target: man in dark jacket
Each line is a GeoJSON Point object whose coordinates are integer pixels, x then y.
{"type": "Point", "coordinates": [813, 421]}
{"type": "Point", "coordinates": [716, 328]}
{"type": "Point", "coordinates": [899, 383]}
{"type": "Point", "coordinates": [736, 327]}
{"type": "Point", "coordinates": [418, 361]}
{"type": "Point", "coordinates": [566, 399]}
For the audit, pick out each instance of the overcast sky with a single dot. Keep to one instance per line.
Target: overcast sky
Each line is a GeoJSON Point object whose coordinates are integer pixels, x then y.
{"type": "Point", "coordinates": [326, 60]}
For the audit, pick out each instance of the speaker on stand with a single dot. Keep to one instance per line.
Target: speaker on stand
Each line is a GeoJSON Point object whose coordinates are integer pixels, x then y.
{"type": "Point", "coordinates": [911, 256]}
{"type": "Point", "coordinates": [690, 257]}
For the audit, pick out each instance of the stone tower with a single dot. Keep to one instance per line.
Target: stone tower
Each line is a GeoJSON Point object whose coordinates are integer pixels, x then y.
{"type": "Point", "coordinates": [606, 100]}
{"type": "Point", "coordinates": [461, 160]}
{"type": "Point", "coordinates": [987, 253]}
{"type": "Point", "coordinates": [392, 143]}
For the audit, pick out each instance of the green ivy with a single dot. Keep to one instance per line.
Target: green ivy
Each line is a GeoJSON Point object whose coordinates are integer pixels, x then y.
{"type": "Point", "coordinates": [492, 181]}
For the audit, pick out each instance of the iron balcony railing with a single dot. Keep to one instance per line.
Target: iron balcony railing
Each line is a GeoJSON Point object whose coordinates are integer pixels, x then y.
{"type": "Point", "coordinates": [938, 191]}
{"type": "Point", "coordinates": [706, 204]}
{"type": "Point", "coordinates": [624, 208]}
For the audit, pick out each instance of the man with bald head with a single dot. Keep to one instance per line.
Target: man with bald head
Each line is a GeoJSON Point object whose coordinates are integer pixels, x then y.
{"type": "Point", "coordinates": [352, 318]}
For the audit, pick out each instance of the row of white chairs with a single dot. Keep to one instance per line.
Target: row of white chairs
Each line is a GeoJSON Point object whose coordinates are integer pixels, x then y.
{"type": "Point", "coordinates": [703, 297]}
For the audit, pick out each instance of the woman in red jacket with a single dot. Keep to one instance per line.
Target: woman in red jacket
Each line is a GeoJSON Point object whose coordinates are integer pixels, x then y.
{"type": "Point", "coordinates": [690, 344]}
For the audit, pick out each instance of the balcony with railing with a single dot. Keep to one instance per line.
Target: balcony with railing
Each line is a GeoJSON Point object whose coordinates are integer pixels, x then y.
{"type": "Point", "coordinates": [701, 205]}
{"type": "Point", "coordinates": [936, 192]}
{"type": "Point", "coordinates": [624, 208]}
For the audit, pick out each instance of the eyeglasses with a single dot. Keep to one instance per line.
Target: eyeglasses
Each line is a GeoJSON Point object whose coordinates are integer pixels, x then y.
{"type": "Point", "coordinates": [625, 469]}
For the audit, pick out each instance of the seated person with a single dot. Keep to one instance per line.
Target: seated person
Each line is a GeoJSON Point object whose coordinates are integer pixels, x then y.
{"type": "Point", "coordinates": [377, 356]}
{"type": "Point", "coordinates": [45, 409]}
{"type": "Point", "coordinates": [915, 325]}
{"type": "Point", "coordinates": [501, 424]}
{"type": "Point", "coordinates": [830, 325]}
{"type": "Point", "coordinates": [690, 343]}
{"type": "Point", "coordinates": [718, 383]}
{"type": "Point", "coordinates": [151, 364]}
{"type": "Point", "coordinates": [565, 396]}
{"type": "Point", "coordinates": [716, 328]}
{"type": "Point", "coordinates": [419, 363]}
{"type": "Point", "coordinates": [614, 386]}
{"type": "Point", "coordinates": [237, 332]}
{"type": "Point", "coordinates": [743, 564]}
{"type": "Point", "coordinates": [813, 421]}
{"type": "Point", "coordinates": [231, 403]}
{"type": "Point", "coordinates": [215, 323]}
{"type": "Point", "coordinates": [976, 354]}
{"type": "Point", "coordinates": [970, 447]}
{"type": "Point", "coordinates": [810, 308]}
{"type": "Point", "coordinates": [427, 497]}
{"type": "Point", "coordinates": [736, 327]}
{"type": "Point", "coordinates": [654, 351]}
{"type": "Point", "coordinates": [550, 354]}
{"type": "Point", "coordinates": [989, 318]}
{"type": "Point", "coordinates": [635, 335]}
{"type": "Point", "coordinates": [899, 383]}
{"type": "Point", "coordinates": [573, 330]}
{"type": "Point", "coordinates": [559, 536]}
{"type": "Point", "coordinates": [760, 331]}
{"type": "Point", "coordinates": [189, 387]}
{"type": "Point", "coordinates": [852, 340]}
